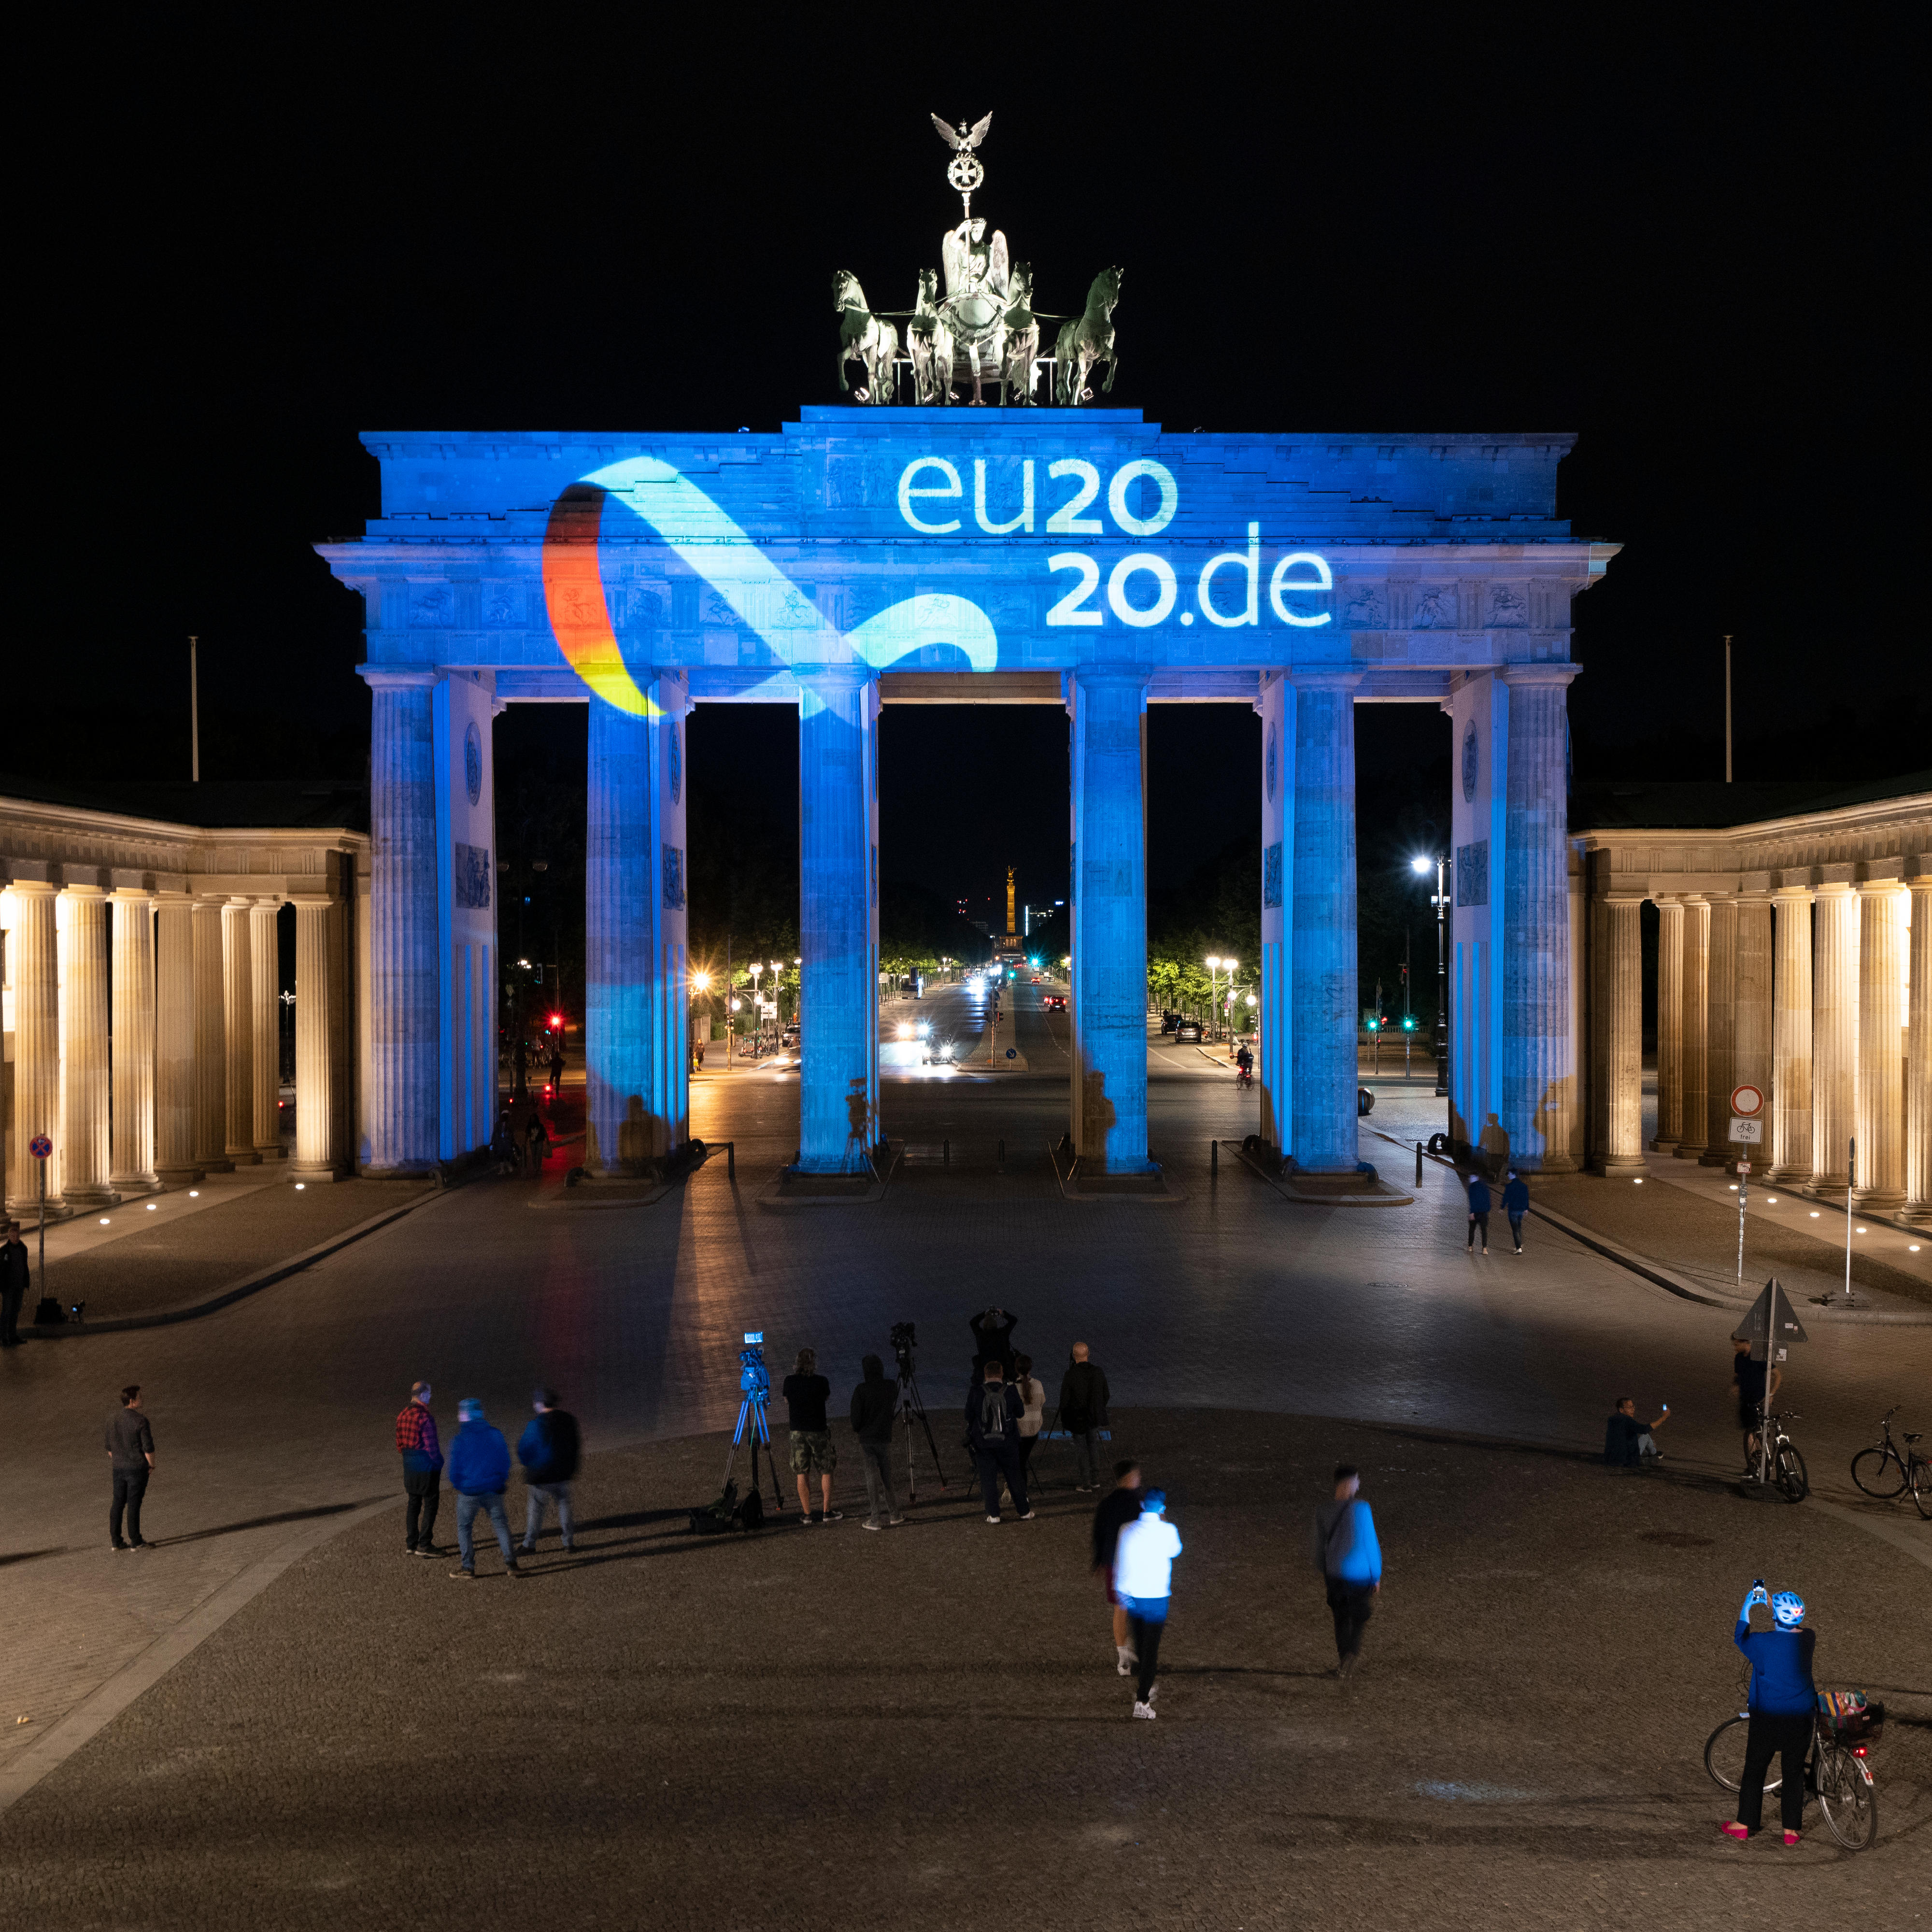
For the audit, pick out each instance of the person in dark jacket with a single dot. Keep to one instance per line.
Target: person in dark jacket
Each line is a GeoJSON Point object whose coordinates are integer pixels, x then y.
{"type": "Point", "coordinates": [806, 1392]}
{"type": "Point", "coordinates": [422, 1471]}
{"type": "Point", "coordinates": [1118, 1507]}
{"type": "Point", "coordinates": [993, 1339]}
{"type": "Point", "coordinates": [549, 1449]}
{"type": "Point", "coordinates": [1479, 1212]}
{"type": "Point", "coordinates": [1083, 1414]}
{"type": "Point", "coordinates": [993, 1413]}
{"type": "Point", "coordinates": [1783, 1701]}
{"type": "Point", "coordinates": [479, 1472]}
{"type": "Point", "coordinates": [1515, 1205]}
{"type": "Point", "coordinates": [874, 1402]}
{"type": "Point", "coordinates": [1626, 1441]}
{"type": "Point", "coordinates": [17, 1275]}
{"type": "Point", "coordinates": [503, 1145]}
{"type": "Point", "coordinates": [130, 1452]}
{"type": "Point", "coordinates": [1350, 1558]}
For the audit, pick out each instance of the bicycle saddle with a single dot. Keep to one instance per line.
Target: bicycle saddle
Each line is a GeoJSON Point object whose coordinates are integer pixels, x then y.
{"type": "Point", "coordinates": [1913, 1435]}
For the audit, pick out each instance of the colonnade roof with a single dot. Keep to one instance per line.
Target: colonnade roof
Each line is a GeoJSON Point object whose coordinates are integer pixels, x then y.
{"type": "Point", "coordinates": [221, 805]}
{"type": "Point", "coordinates": [1619, 806]}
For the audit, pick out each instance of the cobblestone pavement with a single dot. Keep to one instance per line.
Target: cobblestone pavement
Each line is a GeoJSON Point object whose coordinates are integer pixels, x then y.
{"type": "Point", "coordinates": [818, 1727]}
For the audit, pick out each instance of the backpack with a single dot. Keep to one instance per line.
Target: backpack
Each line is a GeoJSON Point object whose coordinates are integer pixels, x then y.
{"type": "Point", "coordinates": [993, 1417]}
{"type": "Point", "coordinates": [752, 1511]}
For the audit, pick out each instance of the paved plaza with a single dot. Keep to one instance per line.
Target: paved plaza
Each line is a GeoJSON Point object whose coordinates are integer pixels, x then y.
{"type": "Point", "coordinates": [1225, 1314]}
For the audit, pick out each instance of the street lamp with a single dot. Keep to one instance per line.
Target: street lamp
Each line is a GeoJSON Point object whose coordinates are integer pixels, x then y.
{"type": "Point", "coordinates": [1228, 1005]}
{"type": "Point", "coordinates": [1420, 865]}
{"type": "Point", "coordinates": [1213, 965]}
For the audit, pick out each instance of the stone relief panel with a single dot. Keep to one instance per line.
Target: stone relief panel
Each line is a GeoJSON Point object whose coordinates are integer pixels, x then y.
{"type": "Point", "coordinates": [432, 606]}
{"type": "Point", "coordinates": [1367, 608]}
{"type": "Point", "coordinates": [1509, 610]}
{"type": "Point", "coordinates": [1435, 607]}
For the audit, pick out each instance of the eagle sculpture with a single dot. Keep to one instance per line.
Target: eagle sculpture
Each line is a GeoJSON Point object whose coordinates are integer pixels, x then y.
{"type": "Point", "coordinates": [966, 138]}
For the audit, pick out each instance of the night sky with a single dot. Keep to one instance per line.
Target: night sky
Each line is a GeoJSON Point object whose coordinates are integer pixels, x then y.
{"type": "Point", "coordinates": [245, 246]}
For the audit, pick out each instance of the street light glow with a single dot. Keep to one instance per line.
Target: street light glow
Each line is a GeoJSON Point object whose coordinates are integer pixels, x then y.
{"type": "Point", "coordinates": [1418, 865]}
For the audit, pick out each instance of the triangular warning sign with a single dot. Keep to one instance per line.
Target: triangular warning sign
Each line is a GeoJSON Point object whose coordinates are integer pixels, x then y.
{"type": "Point", "coordinates": [1771, 1325]}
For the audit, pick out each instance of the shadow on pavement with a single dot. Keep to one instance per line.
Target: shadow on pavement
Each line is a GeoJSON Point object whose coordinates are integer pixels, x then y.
{"type": "Point", "coordinates": [265, 1521]}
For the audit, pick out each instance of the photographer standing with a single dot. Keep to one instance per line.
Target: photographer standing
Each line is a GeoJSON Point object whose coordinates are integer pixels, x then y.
{"type": "Point", "coordinates": [806, 1392]}
{"type": "Point", "coordinates": [874, 1402]}
{"type": "Point", "coordinates": [1083, 1411]}
{"type": "Point", "coordinates": [993, 1339]}
{"type": "Point", "coordinates": [993, 1413]}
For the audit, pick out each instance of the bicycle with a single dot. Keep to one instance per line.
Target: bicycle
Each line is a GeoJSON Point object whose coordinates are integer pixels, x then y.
{"type": "Point", "coordinates": [1836, 1774]}
{"type": "Point", "coordinates": [1787, 1465]}
{"type": "Point", "coordinates": [1872, 1467]}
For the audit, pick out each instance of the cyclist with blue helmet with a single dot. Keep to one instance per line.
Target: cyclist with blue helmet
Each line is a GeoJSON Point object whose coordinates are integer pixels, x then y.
{"type": "Point", "coordinates": [1783, 1701]}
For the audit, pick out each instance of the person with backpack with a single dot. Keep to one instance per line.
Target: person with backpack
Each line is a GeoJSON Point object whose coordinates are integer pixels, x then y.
{"type": "Point", "coordinates": [1783, 1701]}
{"type": "Point", "coordinates": [1515, 1205]}
{"type": "Point", "coordinates": [479, 1472]}
{"type": "Point", "coordinates": [550, 1450]}
{"type": "Point", "coordinates": [993, 1412]}
{"type": "Point", "coordinates": [1143, 1581]}
{"type": "Point", "coordinates": [1350, 1560]}
{"type": "Point", "coordinates": [1118, 1508]}
{"type": "Point", "coordinates": [1084, 1396]}
{"type": "Point", "coordinates": [1479, 1212]}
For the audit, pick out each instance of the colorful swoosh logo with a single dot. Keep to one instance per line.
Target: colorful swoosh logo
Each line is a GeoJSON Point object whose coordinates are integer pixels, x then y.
{"type": "Point", "coordinates": [724, 557]}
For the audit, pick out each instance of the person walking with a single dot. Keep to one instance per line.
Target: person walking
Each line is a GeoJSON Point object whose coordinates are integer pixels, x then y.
{"type": "Point", "coordinates": [479, 1472]}
{"type": "Point", "coordinates": [1032, 1392]}
{"type": "Point", "coordinates": [806, 1392]}
{"type": "Point", "coordinates": [1118, 1507]}
{"type": "Point", "coordinates": [422, 1471]}
{"type": "Point", "coordinates": [550, 1450]}
{"type": "Point", "coordinates": [993, 1413]}
{"type": "Point", "coordinates": [1479, 1212]}
{"type": "Point", "coordinates": [1783, 1701]}
{"type": "Point", "coordinates": [1515, 1205]}
{"type": "Point", "coordinates": [875, 1402]}
{"type": "Point", "coordinates": [556, 1067]}
{"type": "Point", "coordinates": [130, 1453]}
{"type": "Point", "coordinates": [17, 1277]}
{"type": "Point", "coordinates": [1350, 1560]}
{"type": "Point", "coordinates": [1143, 1580]}
{"type": "Point", "coordinates": [509, 1156]}
{"type": "Point", "coordinates": [1084, 1396]}
{"type": "Point", "coordinates": [536, 1141]}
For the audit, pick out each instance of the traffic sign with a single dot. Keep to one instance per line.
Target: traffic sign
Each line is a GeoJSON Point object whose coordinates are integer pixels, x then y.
{"type": "Point", "coordinates": [1772, 1326]}
{"type": "Point", "coordinates": [1747, 1100]}
{"type": "Point", "coordinates": [1744, 1129]}
{"type": "Point", "coordinates": [40, 1147]}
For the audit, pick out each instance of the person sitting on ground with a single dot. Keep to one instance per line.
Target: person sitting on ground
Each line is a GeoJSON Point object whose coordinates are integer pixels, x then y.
{"type": "Point", "coordinates": [1628, 1444]}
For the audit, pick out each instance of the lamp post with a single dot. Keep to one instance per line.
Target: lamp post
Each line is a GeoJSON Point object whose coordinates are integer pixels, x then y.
{"type": "Point", "coordinates": [1228, 1005]}
{"type": "Point", "coordinates": [700, 984]}
{"type": "Point", "coordinates": [1213, 964]}
{"type": "Point", "coordinates": [1421, 865]}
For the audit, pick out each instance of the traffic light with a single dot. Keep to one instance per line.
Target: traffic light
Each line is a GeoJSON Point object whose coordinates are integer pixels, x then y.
{"type": "Point", "coordinates": [1409, 1023]}
{"type": "Point", "coordinates": [557, 1022]}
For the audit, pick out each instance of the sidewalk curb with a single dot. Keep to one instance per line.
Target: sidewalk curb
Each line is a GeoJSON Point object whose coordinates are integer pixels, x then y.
{"type": "Point", "coordinates": [238, 1291]}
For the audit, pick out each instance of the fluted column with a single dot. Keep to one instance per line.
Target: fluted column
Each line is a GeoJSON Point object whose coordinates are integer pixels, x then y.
{"type": "Point", "coordinates": [318, 1157]}
{"type": "Point", "coordinates": [1918, 1057]}
{"type": "Point", "coordinates": [1790, 1153]}
{"type": "Point", "coordinates": [85, 1152]}
{"type": "Point", "coordinates": [132, 1043]}
{"type": "Point", "coordinates": [176, 1097]}
{"type": "Point", "coordinates": [1750, 1044]}
{"type": "Point", "coordinates": [404, 995]}
{"type": "Point", "coordinates": [210, 1042]}
{"type": "Point", "coordinates": [237, 1020]}
{"type": "Point", "coordinates": [1834, 1033]}
{"type": "Point", "coordinates": [1539, 1073]}
{"type": "Point", "coordinates": [1697, 1030]}
{"type": "Point", "coordinates": [1619, 1030]}
{"type": "Point", "coordinates": [1720, 1009]}
{"type": "Point", "coordinates": [36, 975]}
{"type": "Point", "coordinates": [1670, 1025]}
{"type": "Point", "coordinates": [1881, 1091]}
{"type": "Point", "coordinates": [264, 995]}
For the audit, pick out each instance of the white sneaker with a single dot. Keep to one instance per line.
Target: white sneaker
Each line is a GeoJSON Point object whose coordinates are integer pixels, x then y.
{"type": "Point", "coordinates": [1145, 1710]}
{"type": "Point", "coordinates": [1153, 1690]}
{"type": "Point", "coordinates": [992, 1518]}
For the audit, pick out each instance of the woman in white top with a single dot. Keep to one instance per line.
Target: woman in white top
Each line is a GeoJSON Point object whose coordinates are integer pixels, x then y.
{"type": "Point", "coordinates": [1033, 1393]}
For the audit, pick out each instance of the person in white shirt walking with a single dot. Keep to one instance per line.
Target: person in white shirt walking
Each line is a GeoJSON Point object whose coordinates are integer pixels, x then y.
{"type": "Point", "coordinates": [1143, 1581]}
{"type": "Point", "coordinates": [1032, 1393]}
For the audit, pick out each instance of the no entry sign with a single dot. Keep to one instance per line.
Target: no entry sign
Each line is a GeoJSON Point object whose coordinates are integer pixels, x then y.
{"type": "Point", "coordinates": [1748, 1101]}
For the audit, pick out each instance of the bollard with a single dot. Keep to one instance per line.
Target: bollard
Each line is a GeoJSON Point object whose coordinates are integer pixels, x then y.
{"type": "Point", "coordinates": [1418, 1163]}
{"type": "Point", "coordinates": [1214, 1157]}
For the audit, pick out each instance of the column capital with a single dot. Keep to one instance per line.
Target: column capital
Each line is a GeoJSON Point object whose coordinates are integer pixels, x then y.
{"type": "Point", "coordinates": [132, 895]}
{"type": "Point", "coordinates": [1619, 895]}
{"type": "Point", "coordinates": [1834, 888]}
{"type": "Point", "coordinates": [387, 677]}
{"type": "Point", "coordinates": [310, 901]}
{"type": "Point", "coordinates": [1792, 894]}
{"type": "Point", "coordinates": [84, 889]}
{"type": "Point", "coordinates": [1882, 889]}
{"type": "Point", "coordinates": [1530, 674]}
{"type": "Point", "coordinates": [33, 888]}
{"type": "Point", "coordinates": [1323, 677]}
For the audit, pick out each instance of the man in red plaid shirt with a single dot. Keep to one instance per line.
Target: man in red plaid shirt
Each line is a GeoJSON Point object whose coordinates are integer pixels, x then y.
{"type": "Point", "coordinates": [422, 1471]}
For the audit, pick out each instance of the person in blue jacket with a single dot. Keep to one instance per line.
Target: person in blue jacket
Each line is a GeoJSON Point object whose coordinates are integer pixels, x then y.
{"type": "Point", "coordinates": [1783, 1703]}
{"type": "Point", "coordinates": [1350, 1558]}
{"type": "Point", "coordinates": [1515, 1205]}
{"type": "Point", "coordinates": [1479, 1212]}
{"type": "Point", "coordinates": [479, 1472]}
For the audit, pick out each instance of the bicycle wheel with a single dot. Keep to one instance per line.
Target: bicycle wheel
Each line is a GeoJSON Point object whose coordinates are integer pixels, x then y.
{"type": "Point", "coordinates": [1847, 1797]}
{"type": "Point", "coordinates": [1789, 1473]}
{"type": "Point", "coordinates": [1922, 1488]}
{"type": "Point", "coordinates": [1878, 1472]}
{"type": "Point", "coordinates": [1724, 1754]}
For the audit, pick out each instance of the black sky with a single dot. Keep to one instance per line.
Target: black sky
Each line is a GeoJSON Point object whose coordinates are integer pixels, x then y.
{"type": "Point", "coordinates": [244, 241]}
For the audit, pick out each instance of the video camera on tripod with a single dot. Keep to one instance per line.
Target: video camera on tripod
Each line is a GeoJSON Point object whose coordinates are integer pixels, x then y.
{"type": "Point", "coordinates": [754, 1390]}
{"type": "Point", "coordinates": [904, 1340]}
{"type": "Point", "coordinates": [912, 1406]}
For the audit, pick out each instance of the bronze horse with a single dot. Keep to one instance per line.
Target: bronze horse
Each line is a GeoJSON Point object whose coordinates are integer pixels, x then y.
{"type": "Point", "coordinates": [864, 338]}
{"type": "Point", "coordinates": [929, 343]}
{"type": "Point", "coordinates": [1087, 341]}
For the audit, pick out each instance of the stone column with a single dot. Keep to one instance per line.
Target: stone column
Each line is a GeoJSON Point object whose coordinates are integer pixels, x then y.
{"type": "Point", "coordinates": [237, 1023]}
{"type": "Point", "coordinates": [1834, 1032]}
{"type": "Point", "coordinates": [265, 1002]}
{"type": "Point", "coordinates": [1670, 1025]}
{"type": "Point", "coordinates": [1721, 1010]}
{"type": "Point", "coordinates": [132, 1040]}
{"type": "Point", "coordinates": [1750, 1042]}
{"type": "Point", "coordinates": [1696, 1026]}
{"type": "Point", "coordinates": [210, 1042]}
{"type": "Point", "coordinates": [1322, 944]}
{"type": "Point", "coordinates": [405, 1015]}
{"type": "Point", "coordinates": [1918, 1057]}
{"type": "Point", "coordinates": [1274, 1059]}
{"type": "Point", "coordinates": [1539, 1072]}
{"type": "Point", "coordinates": [1881, 1092]}
{"type": "Point", "coordinates": [36, 1045]}
{"type": "Point", "coordinates": [1619, 1013]}
{"type": "Point", "coordinates": [175, 1088]}
{"type": "Point", "coordinates": [317, 1156]}
{"type": "Point", "coordinates": [1790, 1151]}
{"type": "Point", "coordinates": [85, 1151]}
{"type": "Point", "coordinates": [1109, 1002]}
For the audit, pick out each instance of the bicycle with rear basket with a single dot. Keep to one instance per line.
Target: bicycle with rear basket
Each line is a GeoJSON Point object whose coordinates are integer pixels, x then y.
{"type": "Point", "coordinates": [1844, 1728]}
{"type": "Point", "coordinates": [1886, 1471]}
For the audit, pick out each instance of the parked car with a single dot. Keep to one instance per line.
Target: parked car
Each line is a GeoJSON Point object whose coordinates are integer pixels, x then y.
{"type": "Point", "coordinates": [1185, 1031]}
{"type": "Point", "coordinates": [1168, 1021]}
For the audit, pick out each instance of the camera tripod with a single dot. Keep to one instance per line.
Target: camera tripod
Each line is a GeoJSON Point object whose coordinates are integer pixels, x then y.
{"type": "Point", "coordinates": [752, 1408]}
{"type": "Point", "coordinates": [912, 1406]}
